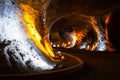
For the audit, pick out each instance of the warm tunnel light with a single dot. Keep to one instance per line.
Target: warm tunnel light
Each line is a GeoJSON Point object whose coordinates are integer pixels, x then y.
{"type": "Point", "coordinates": [80, 31]}
{"type": "Point", "coordinates": [30, 15]}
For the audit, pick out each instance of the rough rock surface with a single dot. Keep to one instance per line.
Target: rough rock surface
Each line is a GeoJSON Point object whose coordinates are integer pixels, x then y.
{"type": "Point", "coordinates": [17, 52]}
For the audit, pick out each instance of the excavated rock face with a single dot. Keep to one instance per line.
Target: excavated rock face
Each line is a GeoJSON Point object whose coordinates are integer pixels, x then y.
{"type": "Point", "coordinates": [59, 8]}
{"type": "Point", "coordinates": [97, 10]}
{"type": "Point", "coordinates": [55, 9]}
{"type": "Point", "coordinates": [17, 52]}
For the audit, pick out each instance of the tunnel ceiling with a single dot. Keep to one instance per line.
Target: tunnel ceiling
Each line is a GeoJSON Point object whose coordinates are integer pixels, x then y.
{"type": "Point", "coordinates": [58, 8]}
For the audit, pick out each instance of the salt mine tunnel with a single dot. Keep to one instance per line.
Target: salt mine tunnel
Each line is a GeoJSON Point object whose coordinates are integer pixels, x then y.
{"type": "Point", "coordinates": [40, 38]}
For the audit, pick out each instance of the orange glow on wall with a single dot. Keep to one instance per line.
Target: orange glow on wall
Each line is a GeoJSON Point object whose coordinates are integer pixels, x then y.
{"type": "Point", "coordinates": [30, 15]}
